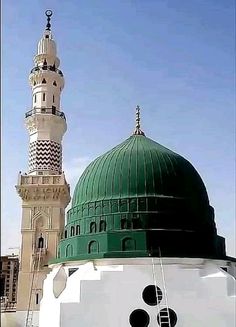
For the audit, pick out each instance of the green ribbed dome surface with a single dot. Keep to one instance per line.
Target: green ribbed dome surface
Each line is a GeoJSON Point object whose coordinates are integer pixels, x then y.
{"type": "Point", "coordinates": [136, 199]}
{"type": "Point", "coordinates": [139, 167]}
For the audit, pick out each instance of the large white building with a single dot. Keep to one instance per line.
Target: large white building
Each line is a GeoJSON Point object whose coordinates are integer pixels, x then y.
{"type": "Point", "coordinates": [140, 247]}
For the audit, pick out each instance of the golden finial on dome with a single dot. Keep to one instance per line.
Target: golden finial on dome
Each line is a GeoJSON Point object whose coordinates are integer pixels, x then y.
{"type": "Point", "coordinates": [137, 130]}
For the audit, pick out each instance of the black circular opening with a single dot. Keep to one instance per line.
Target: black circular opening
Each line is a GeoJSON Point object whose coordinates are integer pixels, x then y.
{"type": "Point", "coordinates": [139, 318]}
{"type": "Point", "coordinates": [152, 295]}
{"type": "Point", "coordinates": [167, 318]}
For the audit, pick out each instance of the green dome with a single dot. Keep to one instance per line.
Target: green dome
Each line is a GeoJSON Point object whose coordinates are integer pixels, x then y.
{"type": "Point", "coordinates": [139, 167]}
{"type": "Point", "coordinates": [136, 199]}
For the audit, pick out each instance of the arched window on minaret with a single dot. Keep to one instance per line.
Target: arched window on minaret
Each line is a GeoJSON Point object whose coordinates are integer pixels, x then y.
{"type": "Point", "coordinates": [40, 242]}
{"type": "Point", "coordinates": [44, 81]}
{"type": "Point", "coordinates": [55, 83]}
{"type": "Point", "coordinates": [37, 298]}
{"type": "Point", "coordinates": [45, 64]}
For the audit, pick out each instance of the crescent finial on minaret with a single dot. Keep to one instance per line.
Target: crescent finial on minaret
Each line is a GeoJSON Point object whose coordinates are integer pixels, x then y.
{"type": "Point", "coordinates": [138, 130]}
{"type": "Point", "coordinates": [48, 13]}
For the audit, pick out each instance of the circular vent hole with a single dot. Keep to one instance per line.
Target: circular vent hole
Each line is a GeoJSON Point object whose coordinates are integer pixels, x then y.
{"type": "Point", "coordinates": [167, 318]}
{"type": "Point", "coordinates": [139, 318]}
{"type": "Point", "coordinates": [152, 295]}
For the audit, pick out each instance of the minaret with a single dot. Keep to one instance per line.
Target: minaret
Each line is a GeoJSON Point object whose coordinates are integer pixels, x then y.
{"type": "Point", "coordinates": [43, 190]}
{"type": "Point", "coordinates": [46, 122]}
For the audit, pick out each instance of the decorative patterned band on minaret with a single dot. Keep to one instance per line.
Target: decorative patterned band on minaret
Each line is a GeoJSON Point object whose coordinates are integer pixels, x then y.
{"type": "Point", "coordinates": [45, 155]}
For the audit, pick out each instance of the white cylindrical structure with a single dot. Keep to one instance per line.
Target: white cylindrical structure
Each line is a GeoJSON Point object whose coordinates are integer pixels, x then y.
{"type": "Point", "coordinates": [45, 121]}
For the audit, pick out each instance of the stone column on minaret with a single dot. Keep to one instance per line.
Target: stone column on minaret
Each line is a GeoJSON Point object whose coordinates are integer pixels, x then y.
{"type": "Point", "coordinates": [43, 190]}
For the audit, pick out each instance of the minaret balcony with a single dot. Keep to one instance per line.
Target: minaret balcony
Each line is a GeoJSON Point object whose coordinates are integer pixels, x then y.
{"type": "Point", "coordinates": [41, 188]}
{"type": "Point", "coordinates": [47, 111]}
{"type": "Point", "coordinates": [46, 67]}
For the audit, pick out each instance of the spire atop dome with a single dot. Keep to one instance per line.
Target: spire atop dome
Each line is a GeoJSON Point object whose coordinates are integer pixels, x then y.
{"type": "Point", "coordinates": [47, 48]}
{"type": "Point", "coordinates": [138, 130]}
{"type": "Point", "coordinates": [48, 13]}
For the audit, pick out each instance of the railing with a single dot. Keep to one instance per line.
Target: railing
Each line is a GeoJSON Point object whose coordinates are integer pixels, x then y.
{"type": "Point", "coordinates": [42, 180]}
{"type": "Point", "coordinates": [45, 67]}
{"type": "Point", "coordinates": [50, 111]}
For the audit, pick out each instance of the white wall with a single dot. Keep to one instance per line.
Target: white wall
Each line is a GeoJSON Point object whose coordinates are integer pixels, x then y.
{"type": "Point", "coordinates": [104, 295]}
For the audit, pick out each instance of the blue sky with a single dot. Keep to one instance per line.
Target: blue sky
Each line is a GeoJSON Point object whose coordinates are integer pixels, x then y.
{"type": "Point", "coordinates": [173, 58]}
